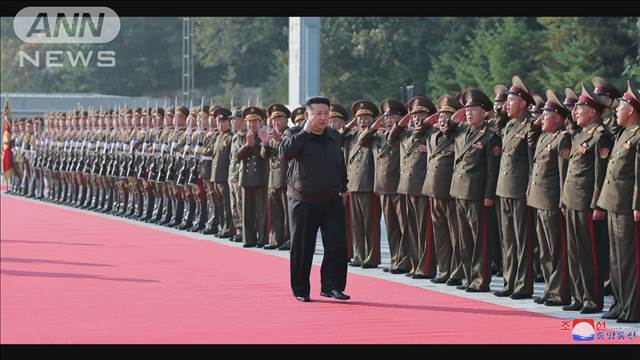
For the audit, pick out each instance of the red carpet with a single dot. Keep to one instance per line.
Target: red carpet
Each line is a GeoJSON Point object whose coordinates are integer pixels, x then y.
{"type": "Point", "coordinates": [69, 277]}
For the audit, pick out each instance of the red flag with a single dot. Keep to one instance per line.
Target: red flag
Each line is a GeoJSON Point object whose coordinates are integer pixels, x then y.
{"type": "Point", "coordinates": [7, 161]}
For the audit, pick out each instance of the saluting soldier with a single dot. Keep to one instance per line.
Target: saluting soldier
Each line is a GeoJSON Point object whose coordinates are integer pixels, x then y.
{"type": "Point", "coordinates": [570, 100]}
{"type": "Point", "coordinates": [364, 203]}
{"type": "Point", "coordinates": [195, 178]}
{"type": "Point", "coordinates": [587, 167]}
{"type": "Point", "coordinates": [608, 95]}
{"type": "Point", "coordinates": [278, 218]}
{"type": "Point", "coordinates": [550, 163]}
{"type": "Point", "coordinates": [437, 185]}
{"type": "Point", "coordinates": [497, 122]}
{"type": "Point", "coordinates": [387, 175]}
{"type": "Point", "coordinates": [473, 185]}
{"type": "Point", "coordinates": [518, 143]}
{"type": "Point", "coordinates": [536, 110]}
{"type": "Point", "coordinates": [620, 197]}
{"type": "Point", "coordinates": [237, 141]}
{"type": "Point", "coordinates": [413, 134]}
{"type": "Point", "coordinates": [254, 178]}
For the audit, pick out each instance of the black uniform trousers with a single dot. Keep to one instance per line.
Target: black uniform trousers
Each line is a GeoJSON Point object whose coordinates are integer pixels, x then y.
{"type": "Point", "coordinates": [304, 221]}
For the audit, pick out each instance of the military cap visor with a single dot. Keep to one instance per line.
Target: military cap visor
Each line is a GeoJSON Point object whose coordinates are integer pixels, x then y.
{"type": "Point", "coordinates": [588, 98]}
{"type": "Point", "coordinates": [364, 107]}
{"type": "Point", "coordinates": [553, 104]}
{"type": "Point", "coordinates": [603, 87]}
{"type": "Point", "coordinates": [392, 107]}
{"type": "Point", "coordinates": [632, 96]}
{"type": "Point", "coordinates": [519, 88]}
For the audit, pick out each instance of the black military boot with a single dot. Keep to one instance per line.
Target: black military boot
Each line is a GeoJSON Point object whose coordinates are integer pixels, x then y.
{"type": "Point", "coordinates": [187, 218]}
{"type": "Point", "coordinates": [166, 211]}
{"type": "Point", "coordinates": [178, 212]}
{"type": "Point", "coordinates": [199, 218]}
{"type": "Point", "coordinates": [140, 206]}
{"type": "Point", "coordinates": [132, 205]}
{"type": "Point", "coordinates": [158, 206]}
{"type": "Point", "coordinates": [88, 195]}
{"type": "Point", "coordinates": [147, 212]}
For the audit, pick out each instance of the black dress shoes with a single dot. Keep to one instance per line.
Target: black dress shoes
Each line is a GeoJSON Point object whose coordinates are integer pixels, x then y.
{"type": "Point", "coordinates": [627, 321]}
{"type": "Point", "coordinates": [336, 294]}
{"type": "Point", "coordinates": [539, 279]}
{"type": "Point", "coordinates": [502, 293]}
{"type": "Point", "coordinates": [249, 245]}
{"type": "Point", "coordinates": [611, 315]}
{"type": "Point", "coordinates": [368, 266]}
{"type": "Point", "coordinates": [270, 247]}
{"type": "Point", "coordinates": [398, 271]}
{"type": "Point", "coordinates": [303, 298]}
{"type": "Point", "coordinates": [520, 296]}
{"type": "Point", "coordinates": [539, 300]}
{"type": "Point", "coordinates": [554, 303]}
{"type": "Point", "coordinates": [590, 310]}
{"type": "Point", "coordinates": [461, 287]}
{"type": "Point", "coordinates": [418, 276]}
{"type": "Point", "coordinates": [285, 246]}
{"type": "Point", "coordinates": [385, 269]}
{"type": "Point", "coordinates": [439, 280]}
{"type": "Point", "coordinates": [354, 264]}
{"type": "Point", "coordinates": [224, 235]}
{"type": "Point", "coordinates": [573, 307]}
{"type": "Point", "coordinates": [454, 282]}
{"type": "Point", "coordinates": [471, 290]}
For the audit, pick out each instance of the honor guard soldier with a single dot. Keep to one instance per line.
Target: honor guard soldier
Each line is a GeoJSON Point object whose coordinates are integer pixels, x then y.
{"type": "Point", "coordinates": [550, 163]}
{"type": "Point", "coordinates": [413, 133]}
{"type": "Point", "coordinates": [254, 178]}
{"type": "Point", "coordinates": [240, 132]}
{"type": "Point", "coordinates": [620, 197]}
{"type": "Point", "coordinates": [587, 169]}
{"type": "Point", "coordinates": [364, 203]}
{"type": "Point", "coordinates": [518, 144]}
{"type": "Point", "coordinates": [177, 144]}
{"type": "Point", "coordinates": [166, 148]}
{"type": "Point", "coordinates": [473, 185]}
{"type": "Point", "coordinates": [437, 185]}
{"type": "Point", "coordinates": [278, 217]}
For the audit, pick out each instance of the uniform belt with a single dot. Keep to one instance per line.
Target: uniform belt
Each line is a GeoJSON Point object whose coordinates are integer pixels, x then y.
{"type": "Point", "coordinates": [206, 157]}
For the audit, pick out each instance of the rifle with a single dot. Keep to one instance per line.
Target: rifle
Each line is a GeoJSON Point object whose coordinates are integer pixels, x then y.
{"type": "Point", "coordinates": [170, 175]}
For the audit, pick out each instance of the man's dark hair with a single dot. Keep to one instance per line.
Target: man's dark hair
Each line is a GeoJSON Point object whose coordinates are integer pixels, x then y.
{"type": "Point", "coordinates": [317, 100]}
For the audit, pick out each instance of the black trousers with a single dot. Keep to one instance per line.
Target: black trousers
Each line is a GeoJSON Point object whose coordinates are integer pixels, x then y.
{"type": "Point", "coordinates": [304, 221]}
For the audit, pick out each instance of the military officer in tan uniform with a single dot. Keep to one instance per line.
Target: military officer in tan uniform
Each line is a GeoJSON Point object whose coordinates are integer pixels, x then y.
{"type": "Point", "coordinates": [518, 144]}
{"type": "Point", "coordinates": [608, 95]}
{"type": "Point", "coordinates": [543, 193]}
{"type": "Point", "coordinates": [620, 197]}
{"type": "Point", "coordinates": [237, 141]}
{"type": "Point", "coordinates": [364, 203]}
{"type": "Point", "coordinates": [570, 100]}
{"type": "Point", "coordinates": [220, 172]}
{"type": "Point", "coordinates": [387, 175]}
{"type": "Point", "coordinates": [254, 178]}
{"type": "Point", "coordinates": [437, 185]}
{"type": "Point", "coordinates": [473, 185]}
{"type": "Point", "coordinates": [297, 115]}
{"type": "Point", "coordinates": [413, 133]}
{"type": "Point", "coordinates": [277, 213]}
{"type": "Point", "coordinates": [587, 168]}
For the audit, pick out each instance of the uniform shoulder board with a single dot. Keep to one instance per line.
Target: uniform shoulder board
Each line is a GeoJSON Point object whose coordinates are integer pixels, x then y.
{"type": "Point", "coordinates": [563, 132]}
{"type": "Point", "coordinates": [635, 128]}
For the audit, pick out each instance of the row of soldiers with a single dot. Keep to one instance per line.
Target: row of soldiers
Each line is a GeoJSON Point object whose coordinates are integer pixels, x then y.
{"type": "Point", "coordinates": [467, 187]}
{"type": "Point", "coordinates": [179, 167]}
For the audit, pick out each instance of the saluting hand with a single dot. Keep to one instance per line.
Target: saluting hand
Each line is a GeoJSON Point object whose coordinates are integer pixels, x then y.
{"type": "Point", "coordinates": [377, 124]}
{"type": "Point", "coordinates": [351, 124]}
{"type": "Point", "coordinates": [405, 120]}
{"type": "Point", "coordinates": [431, 120]}
{"type": "Point", "coordinates": [458, 116]}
